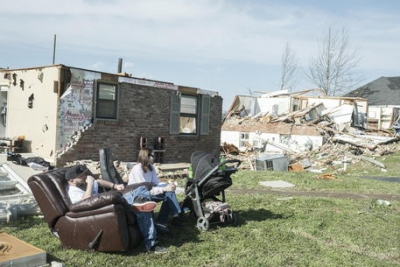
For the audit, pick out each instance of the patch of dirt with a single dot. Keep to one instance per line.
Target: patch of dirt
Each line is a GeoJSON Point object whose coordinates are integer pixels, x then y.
{"type": "Point", "coordinates": [388, 197]}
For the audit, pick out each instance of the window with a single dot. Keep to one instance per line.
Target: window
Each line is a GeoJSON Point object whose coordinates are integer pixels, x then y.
{"type": "Point", "coordinates": [185, 117]}
{"type": "Point", "coordinates": [244, 140]}
{"type": "Point", "coordinates": [107, 96]}
{"type": "Point", "coordinates": [188, 115]}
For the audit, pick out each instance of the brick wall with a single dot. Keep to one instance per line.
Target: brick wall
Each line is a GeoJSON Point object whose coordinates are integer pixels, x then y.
{"type": "Point", "coordinates": [144, 111]}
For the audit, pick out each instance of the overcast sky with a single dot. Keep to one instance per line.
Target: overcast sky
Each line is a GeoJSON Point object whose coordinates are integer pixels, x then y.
{"type": "Point", "coordinates": [229, 46]}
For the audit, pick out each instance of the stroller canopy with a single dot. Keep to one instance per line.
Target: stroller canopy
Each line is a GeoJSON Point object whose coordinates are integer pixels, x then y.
{"type": "Point", "coordinates": [202, 164]}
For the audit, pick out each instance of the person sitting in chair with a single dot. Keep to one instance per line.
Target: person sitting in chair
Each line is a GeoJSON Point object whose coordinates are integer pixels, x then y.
{"type": "Point", "coordinates": [144, 172]}
{"type": "Point", "coordinates": [82, 185]}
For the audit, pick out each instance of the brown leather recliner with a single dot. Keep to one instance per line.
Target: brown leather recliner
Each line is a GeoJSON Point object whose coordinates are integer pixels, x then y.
{"type": "Point", "coordinates": [102, 222]}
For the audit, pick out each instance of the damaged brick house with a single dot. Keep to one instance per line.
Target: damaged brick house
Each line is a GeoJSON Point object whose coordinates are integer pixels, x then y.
{"type": "Point", "coordinates": [283, 121]}
{"type": "Point", "coordinates": [68, 113]}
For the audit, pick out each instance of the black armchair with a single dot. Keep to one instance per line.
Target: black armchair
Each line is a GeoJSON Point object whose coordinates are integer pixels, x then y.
{"type": "Point", "coordinates": [107, 168]}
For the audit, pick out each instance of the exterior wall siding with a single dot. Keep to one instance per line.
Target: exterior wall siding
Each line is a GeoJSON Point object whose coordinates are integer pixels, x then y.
{"type": "Point", "coordinates": [36, 118]}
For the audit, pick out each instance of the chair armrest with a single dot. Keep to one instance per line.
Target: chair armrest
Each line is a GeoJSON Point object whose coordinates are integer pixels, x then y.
{"type": "Point", "coordinates": [98, 201]}
{"type": "Point", "coordinates": [108, 209]}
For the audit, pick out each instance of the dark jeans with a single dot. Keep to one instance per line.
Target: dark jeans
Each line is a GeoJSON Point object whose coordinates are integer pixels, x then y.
{"type": "Point", "coordinates": [169, 206]}
{"type": "Point", "coordinates": [145, 219]}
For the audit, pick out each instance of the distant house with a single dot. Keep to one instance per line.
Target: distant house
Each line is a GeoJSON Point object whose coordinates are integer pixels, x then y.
{"type": "Point", "coordinates": [383, 95]}
{"type": "Point", "coordinates": [383, 91]}
{"type": "Point", "coordinates": [68, 113]}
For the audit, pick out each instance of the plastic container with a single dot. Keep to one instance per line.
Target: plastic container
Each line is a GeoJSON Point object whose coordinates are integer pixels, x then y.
{"type": "Point", "coordinates": [190, 172]}
{"type": "Point", "coordinates": [222, 160]}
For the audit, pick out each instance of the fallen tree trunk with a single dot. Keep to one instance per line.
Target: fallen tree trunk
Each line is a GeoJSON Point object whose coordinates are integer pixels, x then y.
{"type": "Point", "coordinates": [337, 138]}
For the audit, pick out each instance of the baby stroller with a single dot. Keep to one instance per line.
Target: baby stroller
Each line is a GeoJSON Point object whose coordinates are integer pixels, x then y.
{"type": "Point", "coordinates": [205, 192]}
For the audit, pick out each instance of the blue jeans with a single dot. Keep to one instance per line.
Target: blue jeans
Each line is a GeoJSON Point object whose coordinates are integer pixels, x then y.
{"type": "Point", "coordinates": [170, 206]}
{"type": "Point", "coordinates": [145, 219]}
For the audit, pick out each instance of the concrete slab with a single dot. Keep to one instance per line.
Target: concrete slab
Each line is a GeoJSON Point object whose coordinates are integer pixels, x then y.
{"type": "Point", "coordinates": [276, 184]}
{"type": "Point", "coordinates": [24, 172]}
{"type": "Point", "coordinates": [170, 167]}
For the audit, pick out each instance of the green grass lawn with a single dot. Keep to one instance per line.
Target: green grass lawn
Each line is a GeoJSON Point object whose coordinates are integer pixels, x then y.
{"type": "Point", "coordinates": [272, 230]}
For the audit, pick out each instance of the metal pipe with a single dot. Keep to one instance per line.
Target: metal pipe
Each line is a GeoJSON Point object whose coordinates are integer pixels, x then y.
{"type": "Point", "coordinates": [119, 65]}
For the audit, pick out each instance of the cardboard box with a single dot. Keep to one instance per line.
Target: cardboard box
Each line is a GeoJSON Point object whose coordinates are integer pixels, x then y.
{"type": "Point", "coordinates": [15, 252]}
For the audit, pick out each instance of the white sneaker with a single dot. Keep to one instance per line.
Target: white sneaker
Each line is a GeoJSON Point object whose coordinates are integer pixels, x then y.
{"type": "Point", "coordinates": [157, 250]}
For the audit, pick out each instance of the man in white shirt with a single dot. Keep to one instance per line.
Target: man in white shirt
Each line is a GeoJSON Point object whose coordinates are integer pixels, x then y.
{"type": "Point", "coordinates": [81, 185]}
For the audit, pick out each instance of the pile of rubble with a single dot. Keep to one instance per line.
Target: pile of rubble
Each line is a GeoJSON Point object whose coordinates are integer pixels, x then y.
{"type": "Point", "coordinates": [334, 151]}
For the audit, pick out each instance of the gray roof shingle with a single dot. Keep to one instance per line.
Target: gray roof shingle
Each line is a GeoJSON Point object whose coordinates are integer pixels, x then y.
{"type": "Point", "coordinates": [382, 91]}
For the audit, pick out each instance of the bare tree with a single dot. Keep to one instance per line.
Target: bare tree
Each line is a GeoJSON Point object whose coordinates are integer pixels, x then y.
{"type": "Point", "coordinates": [333, 69]}
{"type": "Point", "coordinates": [289, 69]}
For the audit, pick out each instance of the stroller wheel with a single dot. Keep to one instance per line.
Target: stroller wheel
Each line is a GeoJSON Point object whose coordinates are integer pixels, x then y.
{"type": "Point", "coordinates": [233, 218]}
{"type": "Point", "coordinates": [203, 224]}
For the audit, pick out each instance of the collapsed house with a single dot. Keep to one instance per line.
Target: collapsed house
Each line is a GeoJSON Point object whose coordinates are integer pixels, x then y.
{"type": "Point", "coordinates": [293, 124]}
{"type": "Point", "coordinates": [273, 122]}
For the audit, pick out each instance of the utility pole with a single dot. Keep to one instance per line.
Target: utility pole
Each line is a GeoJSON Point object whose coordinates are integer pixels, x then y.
{"type": "Point", "coordinates": [54, 49]}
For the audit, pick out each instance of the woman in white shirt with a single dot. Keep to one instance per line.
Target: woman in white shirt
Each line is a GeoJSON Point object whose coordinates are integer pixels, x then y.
{"type": "Point", "coordinates": [144, 172]}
